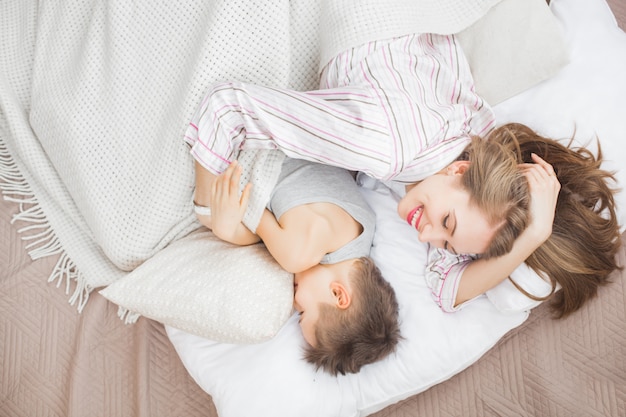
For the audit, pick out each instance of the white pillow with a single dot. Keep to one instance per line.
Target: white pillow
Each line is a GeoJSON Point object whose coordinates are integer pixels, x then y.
{"type": "Point", "coordinates": [509, 299]}
{"type": "Point", "coordinates": [210, 288]}
{"type": "Point", "coordinates": [517, 44]}
{"type": "Point", "coordinates": [430, 353]}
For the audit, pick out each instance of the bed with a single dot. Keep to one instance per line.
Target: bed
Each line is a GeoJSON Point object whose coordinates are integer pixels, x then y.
{"type": "Point", "coordinates": [78, 358]}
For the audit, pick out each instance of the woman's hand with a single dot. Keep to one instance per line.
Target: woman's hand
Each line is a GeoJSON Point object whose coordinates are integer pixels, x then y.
{"type": "Point", "coordinates": [228, 208]}
{"type": "Point", "coordinates": [544, 192]}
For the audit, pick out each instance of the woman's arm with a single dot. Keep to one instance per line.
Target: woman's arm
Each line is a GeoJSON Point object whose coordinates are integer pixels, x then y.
{"type": "Point", "coordinates": [482, 275]}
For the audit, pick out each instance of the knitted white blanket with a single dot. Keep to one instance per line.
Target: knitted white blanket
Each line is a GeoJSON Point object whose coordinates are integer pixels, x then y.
{"type": "Point", "coordinates": [95, 97]}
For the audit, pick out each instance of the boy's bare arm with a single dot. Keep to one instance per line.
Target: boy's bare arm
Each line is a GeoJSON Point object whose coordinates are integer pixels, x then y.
{"type": "Point", "coordinates": [298, 243]}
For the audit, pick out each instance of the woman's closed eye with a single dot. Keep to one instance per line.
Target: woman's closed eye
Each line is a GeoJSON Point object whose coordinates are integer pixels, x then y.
{"type": "Point", "coordinates": [446, 223]}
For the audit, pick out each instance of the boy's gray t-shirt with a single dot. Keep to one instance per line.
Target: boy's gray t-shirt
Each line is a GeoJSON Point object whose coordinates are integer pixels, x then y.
{"type": "Point", "coordinates": [302, 182]}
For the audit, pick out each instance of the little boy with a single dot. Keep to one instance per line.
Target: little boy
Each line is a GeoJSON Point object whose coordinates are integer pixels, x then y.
{"type": "Point", "coordinates": [319, 227]}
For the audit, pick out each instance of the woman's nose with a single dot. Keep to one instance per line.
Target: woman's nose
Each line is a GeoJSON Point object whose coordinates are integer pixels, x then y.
{"type": "Point", "coordinates": [431, 235]}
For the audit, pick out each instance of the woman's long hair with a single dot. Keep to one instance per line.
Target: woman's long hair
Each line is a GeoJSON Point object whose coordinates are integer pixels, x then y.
{"type": "Point", "coordinates": [581, 253]}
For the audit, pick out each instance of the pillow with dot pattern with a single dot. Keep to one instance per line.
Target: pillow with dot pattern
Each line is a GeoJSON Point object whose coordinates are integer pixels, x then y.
{"type": "Point", "coordinates": [210, 288]}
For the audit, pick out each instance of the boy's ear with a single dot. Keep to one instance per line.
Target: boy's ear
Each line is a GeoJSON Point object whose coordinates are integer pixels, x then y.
{"type": "Point", "coordinates": [341, 294]}
{"type": "Point", "coordinates": [457, 167]}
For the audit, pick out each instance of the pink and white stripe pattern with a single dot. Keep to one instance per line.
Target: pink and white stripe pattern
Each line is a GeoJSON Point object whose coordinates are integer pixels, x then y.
{"type": "Point", "coordinates": [443, 277]}
{"type": "Point", "coordinates": [400, 109]}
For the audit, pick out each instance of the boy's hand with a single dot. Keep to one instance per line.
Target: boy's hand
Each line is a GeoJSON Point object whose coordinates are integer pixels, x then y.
{"type": "Point", "coordinates": [227, 207]}
{"type": "Point", "coordinates": [544, 192]}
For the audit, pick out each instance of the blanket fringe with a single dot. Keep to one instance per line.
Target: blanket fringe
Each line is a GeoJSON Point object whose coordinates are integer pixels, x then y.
{"type": "Point", "coordinates": [42, 241]}
{"type": "Point", "coordinates": [128, 316]}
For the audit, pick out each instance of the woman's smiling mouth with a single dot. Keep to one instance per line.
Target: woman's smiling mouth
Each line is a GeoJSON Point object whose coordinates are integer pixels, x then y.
{"type": "Point", "coordinates": [414, 217]}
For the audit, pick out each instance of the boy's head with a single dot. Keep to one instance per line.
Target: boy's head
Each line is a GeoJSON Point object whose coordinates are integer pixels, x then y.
{"type": "Point", "coordinates": [348, 315]}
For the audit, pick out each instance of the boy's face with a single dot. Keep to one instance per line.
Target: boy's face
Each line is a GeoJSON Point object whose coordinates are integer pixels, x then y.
{"type": "Point", "coordinates": [319, 284]}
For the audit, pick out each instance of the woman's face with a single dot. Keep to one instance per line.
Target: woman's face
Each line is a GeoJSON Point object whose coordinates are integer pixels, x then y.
{"type": "Point", "coordinates": [439, 209]}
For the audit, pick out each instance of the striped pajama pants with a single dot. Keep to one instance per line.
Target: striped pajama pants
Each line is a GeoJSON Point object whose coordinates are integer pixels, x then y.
{"type": "Point", "coordinates": [400, 109]}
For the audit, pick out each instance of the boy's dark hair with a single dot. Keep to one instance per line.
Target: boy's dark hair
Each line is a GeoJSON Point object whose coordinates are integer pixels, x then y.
{"type": "Point", "coordinates": [365, 332]}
